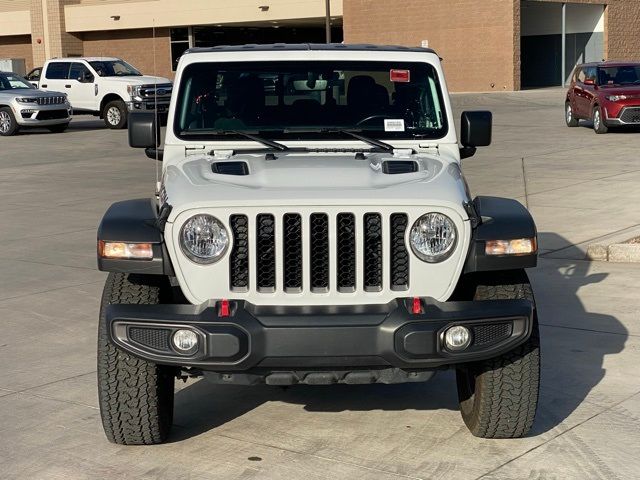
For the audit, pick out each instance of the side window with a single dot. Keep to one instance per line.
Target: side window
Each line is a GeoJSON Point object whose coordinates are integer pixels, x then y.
{"type": "Point", "coordinates": [581, 76]}
{"type": "Point", "coordinates": [591, 73]}
{"type": "Point", "coordinates": [58, 71]}
{"type": "Point", "coordinates": [77, 70]}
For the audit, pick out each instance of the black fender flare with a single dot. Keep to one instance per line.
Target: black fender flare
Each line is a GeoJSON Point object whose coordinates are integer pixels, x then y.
{"type": "Point", "coordinates": [500, 219]}
{"type": "Point", "coordinates": [135, 221]}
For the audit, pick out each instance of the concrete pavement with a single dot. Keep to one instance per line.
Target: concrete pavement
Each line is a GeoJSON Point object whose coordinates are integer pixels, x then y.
{"type": "Point", "coordinates": [53, 191]}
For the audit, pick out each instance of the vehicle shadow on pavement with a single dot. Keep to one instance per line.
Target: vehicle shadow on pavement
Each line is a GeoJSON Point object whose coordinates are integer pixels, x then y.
{"type": "Point", "coordinates": [574, 341]}
{"type": "Point", "coordinates": [574, 344]}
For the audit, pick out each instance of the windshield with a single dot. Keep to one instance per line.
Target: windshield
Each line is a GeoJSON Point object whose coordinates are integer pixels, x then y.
{"type": "Point", "coordinates": [624, 75]}
{"type": "Point", "coordinates": [114, 68]}
{"type": "Point", "coordinates": [302, 100]}
{"type": "Point", "coordinates": [13, 82]}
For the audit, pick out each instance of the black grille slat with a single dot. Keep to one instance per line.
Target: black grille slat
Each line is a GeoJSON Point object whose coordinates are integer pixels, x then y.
{"type": "Point", "coordinates": [487, 334]}
{"type": "Point", "coordinates": [239, 259]}
{"type": "Point", "coordinates": [319, 251]}
{"type": "Point", "coordinates": [399, 253]}
{"type": "Point", "coordinates": [50, 100]}
{"type": "Point", "coordinates": [155, 338]}
{"type": "Point", "coordinates": [265, 252]}
{"type": "Point", "coordinates": [372, 251]}
{"type": "Point", "coordinates": [292, 251]}
{"type": "Point", "coordinates": [346, 251]}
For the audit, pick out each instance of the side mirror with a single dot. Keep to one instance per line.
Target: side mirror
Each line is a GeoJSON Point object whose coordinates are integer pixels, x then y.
{"type": "Point", "coordinates": [144, 131]}
{"type": "Point", "coordinates": [86, 77]}
{"type": "Point", "coordinates": [475, 131]}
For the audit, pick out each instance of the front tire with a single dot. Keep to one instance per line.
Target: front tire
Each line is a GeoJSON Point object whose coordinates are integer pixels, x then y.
{"type": "Point", "coordinates": [498, 397]}
{"type": "Point", "coordinates": [114, 114]}
{"type": "Point", "coordinates": [598, 121]}
{"type": "Point", "coordinates": [136, 396]}
{"type": "Point", "coordinates": [569, 116]}
{"type": "Point", "coordinates": [8, 124]}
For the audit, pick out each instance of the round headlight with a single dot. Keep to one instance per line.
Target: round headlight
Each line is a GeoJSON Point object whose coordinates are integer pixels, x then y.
{"type": "Point", "coordinates": [433, 237]}
{"type": "Point", "coordinates": [204, 239]}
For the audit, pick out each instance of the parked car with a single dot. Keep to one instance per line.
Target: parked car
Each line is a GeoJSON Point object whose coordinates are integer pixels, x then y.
{"type": "Point", "coordinates": [23, 105]}
{"type": "Point", "coordinates": [607, 93]}
{"type": "Point", "coordinates": [315, 228]}
{"type": "Point", "coordinates": [106, 87]}
{"type": "Point", "coordinates": [34, 76]}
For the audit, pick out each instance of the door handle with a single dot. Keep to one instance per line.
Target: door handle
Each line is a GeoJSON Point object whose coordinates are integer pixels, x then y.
{"type": "Point", "coordinates": [67, 86]}
{"type": "Point", "coordinates": [43, 86]}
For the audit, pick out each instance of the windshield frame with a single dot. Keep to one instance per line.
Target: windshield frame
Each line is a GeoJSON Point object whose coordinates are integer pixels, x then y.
{"type": "Point", "coordinates": [28, 85]}
{"type": "Point", "coordinates": [134, 71]}
{"type": "Point", "coordinates": [333, 132]}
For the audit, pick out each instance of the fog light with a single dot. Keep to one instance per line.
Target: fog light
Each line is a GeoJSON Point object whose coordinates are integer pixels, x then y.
{"type": "Point", "coordinates": [185, 340]}
{"type": "Point", "coordinates": [457, 338]}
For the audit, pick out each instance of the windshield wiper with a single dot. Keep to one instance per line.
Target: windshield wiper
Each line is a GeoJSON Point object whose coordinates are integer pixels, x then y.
{"type": "Point", "coordinates": [267, 143]}
{"type": "Point", "coordinates": [371, 141]}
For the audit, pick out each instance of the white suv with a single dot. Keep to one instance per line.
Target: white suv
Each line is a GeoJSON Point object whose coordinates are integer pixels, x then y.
{"type": "Point", "coordinates": [313, 226]}
{"type": "Point", "coordinates": [108, 87]}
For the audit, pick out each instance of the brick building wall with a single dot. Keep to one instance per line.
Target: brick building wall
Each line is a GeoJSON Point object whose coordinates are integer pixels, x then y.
{"type": "Point", "coordinates": [475, 39]}
{"type": "Point", "coordinates": [134, 46]}
{"type": "Point", "coordinates": [17, 46]}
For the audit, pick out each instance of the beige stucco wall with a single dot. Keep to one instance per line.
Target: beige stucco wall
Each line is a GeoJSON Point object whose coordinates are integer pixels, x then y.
{"type": "Point", "coordinates": [87, 16]}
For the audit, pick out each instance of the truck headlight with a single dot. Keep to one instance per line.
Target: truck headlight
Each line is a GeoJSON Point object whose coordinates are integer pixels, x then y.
{"type": "Point", "coordinates": [433, 237]}
{"type": "Point", "coordinates": [27, 100]}
{"type": "Point", "coordinates": [204, 239]}
{"type": "Point", "coordinates": [134, 91]}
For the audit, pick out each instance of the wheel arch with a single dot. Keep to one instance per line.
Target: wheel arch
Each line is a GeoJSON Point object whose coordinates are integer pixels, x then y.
{"type": "Point", "coordinates": [109, 97]}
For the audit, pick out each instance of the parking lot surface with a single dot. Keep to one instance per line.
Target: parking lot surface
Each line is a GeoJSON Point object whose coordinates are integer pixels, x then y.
{"type": "Point", "coordinates": [579, 187]}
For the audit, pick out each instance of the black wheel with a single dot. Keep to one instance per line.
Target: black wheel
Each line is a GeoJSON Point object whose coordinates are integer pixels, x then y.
{"type": "Point", "coordinates": [114, 114]}
{"type": "Point", "coordinates": [498, 397]}
{"type": "Point", "coordinates": [569, 117]}
{"type": "Point", "coordinates": [58, 128]}
{"type": "Point", "coordinates": [598, 121]}
{"type": "Point", "coordinates": [136, 396]}
{"type": "Point", "coordinates": [8, 124]}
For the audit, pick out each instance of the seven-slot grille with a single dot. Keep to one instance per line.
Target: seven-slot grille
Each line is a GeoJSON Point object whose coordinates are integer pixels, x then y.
{"type": "Point", "coordinates": [58, 100]}
{"type": "Point", "coordinates": [281, 242]}
{"type": "Point", "coordinates": [630, 115]}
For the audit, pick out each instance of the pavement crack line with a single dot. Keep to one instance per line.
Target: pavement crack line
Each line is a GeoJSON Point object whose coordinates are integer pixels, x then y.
{"type": "Point", "coordinates": [590, 240]}
{"type": "Point", "coordinates": [607, 409]}
{"type": "Point", "coordinates": [321, 457]}
{"type": "Point", "coordinates": [588, 330]}
{"type": "Point", "coordinates": [50, 290]}
{"type": "Point", "coordinates": [15, 392]}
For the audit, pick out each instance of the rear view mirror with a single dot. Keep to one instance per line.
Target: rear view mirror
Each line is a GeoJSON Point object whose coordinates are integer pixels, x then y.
{"type": "Point", "coordinates": [144, 131]}
{"type": "Point", "coordinates": [475, 131]}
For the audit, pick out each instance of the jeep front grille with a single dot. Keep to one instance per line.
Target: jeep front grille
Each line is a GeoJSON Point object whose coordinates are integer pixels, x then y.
{"type": "Point", "coordinates": [284, 242]}
{"type": "Point", "coordinates": [58, 100]}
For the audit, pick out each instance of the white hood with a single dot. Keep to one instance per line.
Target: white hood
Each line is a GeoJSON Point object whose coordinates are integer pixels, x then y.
{"type": "Point", "coordinates": [141, 80]}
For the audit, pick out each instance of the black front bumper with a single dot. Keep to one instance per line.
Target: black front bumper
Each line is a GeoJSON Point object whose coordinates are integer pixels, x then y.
{"type": "Point", "coordinates": [259, 338]}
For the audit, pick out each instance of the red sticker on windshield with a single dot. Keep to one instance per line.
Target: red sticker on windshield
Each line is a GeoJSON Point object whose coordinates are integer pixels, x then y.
{"type": "Point", "coordinates": [400, 75]}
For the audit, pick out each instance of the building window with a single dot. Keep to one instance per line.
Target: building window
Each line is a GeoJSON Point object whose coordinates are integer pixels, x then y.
{"type": "Point", "coordinates": [180, 42]}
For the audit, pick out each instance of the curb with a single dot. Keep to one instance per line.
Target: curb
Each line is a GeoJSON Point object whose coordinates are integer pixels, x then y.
{"type": "Point", "coordinates": [615, 252]}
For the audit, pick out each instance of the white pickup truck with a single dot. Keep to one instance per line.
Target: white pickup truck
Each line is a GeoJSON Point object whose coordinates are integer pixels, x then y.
{"type": "Point", "coordinates": [107, 87]}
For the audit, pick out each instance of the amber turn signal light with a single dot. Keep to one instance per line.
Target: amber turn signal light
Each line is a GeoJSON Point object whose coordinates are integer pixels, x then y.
{"type": "Point", "coordinates": [125, 251]}
{"type": "Point", "coordinates": [519, 246]}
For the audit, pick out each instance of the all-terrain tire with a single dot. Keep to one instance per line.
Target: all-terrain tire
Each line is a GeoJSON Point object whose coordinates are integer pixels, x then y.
{"type": "Point", "coordinates": [136, 396]}
{"type": "Point", "coordinates": [498, 397]}
{"type": "Point", "coordinates": [115, 114]}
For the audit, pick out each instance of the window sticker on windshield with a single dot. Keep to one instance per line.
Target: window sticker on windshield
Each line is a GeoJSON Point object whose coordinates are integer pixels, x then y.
{"type": "Point", "coordinates": [402, 76]}
{"type": "Point", "coordinates": [393, 125]}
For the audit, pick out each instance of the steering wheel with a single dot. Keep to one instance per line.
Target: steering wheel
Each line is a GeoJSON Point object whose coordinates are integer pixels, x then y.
{"type": "Point", "coordinates": [371, 117]}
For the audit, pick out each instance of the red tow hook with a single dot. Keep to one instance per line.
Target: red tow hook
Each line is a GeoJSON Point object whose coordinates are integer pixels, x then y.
{"type": "Point", "coordinates": [417, 306]}
{"type": "Point", "coordinates": [224, 310]}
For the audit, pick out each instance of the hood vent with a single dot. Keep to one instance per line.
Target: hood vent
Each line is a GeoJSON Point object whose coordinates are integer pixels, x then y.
{"type": "Point", "coordinates": [391, 167]}
{"type": "Point", "coordinates": [230, 168]}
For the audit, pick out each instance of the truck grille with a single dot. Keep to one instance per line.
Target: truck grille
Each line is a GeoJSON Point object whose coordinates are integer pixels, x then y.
{"type": "Point", "coordinates": [630, 115]}
{"type": "Point", "coordinates": [59, 100]}
{"type": "Point", "coordinates": [161, 91]}
{"type": "Point", "coordinates": [302, 246]}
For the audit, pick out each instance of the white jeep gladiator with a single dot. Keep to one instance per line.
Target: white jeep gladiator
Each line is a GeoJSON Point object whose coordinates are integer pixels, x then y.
{"type": "Point", "coordinates": [106, 87]}
{"type": "Point", "coordinates": [313, 226]}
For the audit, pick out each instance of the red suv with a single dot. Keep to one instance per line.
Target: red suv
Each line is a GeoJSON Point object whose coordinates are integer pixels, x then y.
{"type": "Point", "coordinates": [608, 93]}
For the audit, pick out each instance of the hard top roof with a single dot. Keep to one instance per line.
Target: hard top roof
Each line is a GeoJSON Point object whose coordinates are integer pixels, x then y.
{"type": "Point", "coordinates": [308, 46]}
{"type": "Point", "coordinates": [609, 63]}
